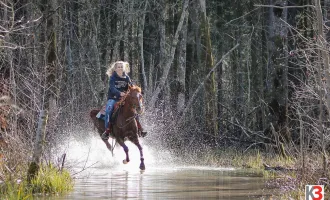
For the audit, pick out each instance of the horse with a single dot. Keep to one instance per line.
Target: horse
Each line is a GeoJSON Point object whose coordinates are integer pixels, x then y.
{"type": "Point", "coordinates": [125, 125]}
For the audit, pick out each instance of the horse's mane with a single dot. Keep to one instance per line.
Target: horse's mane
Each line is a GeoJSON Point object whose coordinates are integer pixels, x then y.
{"type": "Point", "coordinates": [136, 88]}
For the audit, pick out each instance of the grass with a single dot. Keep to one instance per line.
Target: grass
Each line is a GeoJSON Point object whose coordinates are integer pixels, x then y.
{"type": "Point", "coordinates": [48, 181]}
{"type": "Point", "coordinates": [251, 159]}
{"type": "Point", "coordinates": [290, 182]}
{"type": "Point", "coordinates": [17, 191]}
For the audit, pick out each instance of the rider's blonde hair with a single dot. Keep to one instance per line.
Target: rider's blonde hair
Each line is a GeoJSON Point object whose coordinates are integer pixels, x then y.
{"type": "Point", "coordinates": [113, 66]}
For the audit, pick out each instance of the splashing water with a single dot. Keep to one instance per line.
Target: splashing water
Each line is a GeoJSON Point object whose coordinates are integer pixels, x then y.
{"type": "Point", "coordinates": [166, 176]}
{"type": "Point", "coordinates": [91, 152]}
{"type": "Point", "coordinates": [107, 177]}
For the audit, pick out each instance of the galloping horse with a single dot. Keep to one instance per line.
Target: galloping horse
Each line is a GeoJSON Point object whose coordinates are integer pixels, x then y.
{"type": "Point", "coordinates": [125, 126]}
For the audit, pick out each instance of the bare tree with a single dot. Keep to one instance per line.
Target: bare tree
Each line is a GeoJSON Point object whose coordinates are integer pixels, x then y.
{"type": "Point", "coordinates": [181, 72]}
{"type": "Point", "coordinates": [210, 87]}
{"type": "Point", "coordinates": [140, 35]}
{"type": "Point", "coordinates": [170, 57]}
{"type": "Point", "coordinates": [323, 56]}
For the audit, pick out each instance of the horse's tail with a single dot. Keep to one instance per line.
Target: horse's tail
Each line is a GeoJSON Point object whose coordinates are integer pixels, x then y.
{"type": "Point", "coordinates": [93, 113]}
{"type": "Point", "coordinates": [98, 124]}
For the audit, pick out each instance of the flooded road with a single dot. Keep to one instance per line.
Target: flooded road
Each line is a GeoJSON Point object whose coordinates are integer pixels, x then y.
{"type": "Point", "coordinates": [110, 179]}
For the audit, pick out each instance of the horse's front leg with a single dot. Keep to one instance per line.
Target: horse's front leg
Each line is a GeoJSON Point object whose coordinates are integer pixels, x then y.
{"type": "Point", "coordinates": [136, 142]}
{"type": "Point", "coordinates": [107, 144]}
{"type": "Point", "coordinates": [121, 142]}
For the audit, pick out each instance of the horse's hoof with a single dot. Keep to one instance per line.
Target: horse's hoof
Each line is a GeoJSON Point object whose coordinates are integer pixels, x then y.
{"type": "Point", "coordinates": [125, 161]}
{"type": "Point", "coordinates": [143, 134]}
{"type": "Point", "coordinates": [142, 167]}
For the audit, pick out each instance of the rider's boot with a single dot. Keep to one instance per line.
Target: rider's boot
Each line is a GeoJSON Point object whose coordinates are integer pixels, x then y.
{"type": "Point", "coordinates": [106, 134]}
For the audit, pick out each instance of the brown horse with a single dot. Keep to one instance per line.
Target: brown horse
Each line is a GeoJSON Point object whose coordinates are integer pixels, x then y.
{"type": "Point", "coordinates": [125, 126]}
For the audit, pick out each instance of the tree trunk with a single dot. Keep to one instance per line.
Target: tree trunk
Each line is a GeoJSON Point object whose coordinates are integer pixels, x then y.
{"type": "Point", "coordinates": [181, 72]}
{"type": "Point", "coordinates": [323, 59]}
{"type": "Point", "coordinates": [48, 38]}
{"type": "Point", "coordinates": [327, 17]}
{"type": "Point", "coordinates": [220, 50]}
{"type": "Point", "coordinates": [210, 88]}
{"type": "Point", "coordinates": [113, 18]}
{"type": "Point", "coordinates": [151, 72]}
{"type": "Point", "coordinates": [169, 61]}
{"type": "Point", "coordinates": [140, 38]}
{"type": "Point", "coordinates": [97, 83]}
{"type": "Point", "coordinates": [264, 70]}
{"type": "Point", "coordinates": [127, 20]}
{"type": "Point", "coordinates": [38, 146]}
{"type": "Point", "coordinates": [201, 85]}
{"type": "Point", "coordinates": [117, 27]}
{"type": "Point", "coordinates": [104, 36]}
{"type": "Point", "coordinates": [194, 68]}
{"type": "Point", "coordinates": [162, 40]}
{"type": "Point", "coordinates": [277, 84]}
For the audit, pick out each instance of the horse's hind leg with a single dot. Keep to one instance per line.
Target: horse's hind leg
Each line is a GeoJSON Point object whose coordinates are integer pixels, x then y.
{"type": "Point", "coordinates": [121, 143]}
{"type": "Point", "coordinates": [142, 166]}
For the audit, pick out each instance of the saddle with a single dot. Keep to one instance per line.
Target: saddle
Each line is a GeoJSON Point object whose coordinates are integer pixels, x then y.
{"type": "Point", "coordinates": [115, 112]}
{"type": "Point", "coordinates": [113, 117]}
{"type": "Point", "coordinates": [101, 113]}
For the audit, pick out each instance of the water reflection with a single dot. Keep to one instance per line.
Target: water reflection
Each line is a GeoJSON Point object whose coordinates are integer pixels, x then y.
{"type": "Point", "coordinates": [166, 177]}
{"type": "Point", "coordinates": [170, 183]}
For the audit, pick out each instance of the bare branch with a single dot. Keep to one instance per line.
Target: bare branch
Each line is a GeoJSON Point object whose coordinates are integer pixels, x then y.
{"type": "Point", "coordinates": [202, 84]}
{"type": "Point", "coordinates": [284, 7]}
{"type": "Point", "coordinates": [5, 5]}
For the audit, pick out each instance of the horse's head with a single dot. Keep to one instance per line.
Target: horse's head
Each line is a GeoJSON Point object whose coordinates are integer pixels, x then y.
{"type": "Point", "coordinates": [135, 98]}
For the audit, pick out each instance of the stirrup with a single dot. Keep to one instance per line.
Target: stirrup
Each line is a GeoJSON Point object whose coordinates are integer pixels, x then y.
{"type": "Point", "coordinates": [106, 134]}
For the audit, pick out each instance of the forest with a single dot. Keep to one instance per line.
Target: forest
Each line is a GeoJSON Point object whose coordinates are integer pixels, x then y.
{"type": "Point", "coordinates": [241, 74]}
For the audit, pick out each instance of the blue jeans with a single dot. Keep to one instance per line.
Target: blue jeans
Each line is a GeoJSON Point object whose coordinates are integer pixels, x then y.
{"type": "Point", "coordinates": [108, 111]}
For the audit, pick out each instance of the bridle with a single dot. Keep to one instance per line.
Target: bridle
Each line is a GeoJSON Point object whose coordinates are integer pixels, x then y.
{"type": "Point", "coordinates": [133, 107]}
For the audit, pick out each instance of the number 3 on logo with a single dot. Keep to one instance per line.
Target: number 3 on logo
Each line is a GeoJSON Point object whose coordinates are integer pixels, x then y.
{"type": "Point", "coordinates": [314, 192]}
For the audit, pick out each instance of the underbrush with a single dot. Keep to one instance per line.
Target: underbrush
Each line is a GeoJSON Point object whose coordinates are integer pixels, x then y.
{"type": "Point", "coordinates": [49, 180]}
{"type": "Point", "coordinates": [284, 173]}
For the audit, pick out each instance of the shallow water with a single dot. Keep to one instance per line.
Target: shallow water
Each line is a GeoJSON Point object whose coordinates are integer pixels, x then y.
{"type": "Point", "coordinates": [163, 178]}
{"type": "Point", "coordinates": [170, 183]}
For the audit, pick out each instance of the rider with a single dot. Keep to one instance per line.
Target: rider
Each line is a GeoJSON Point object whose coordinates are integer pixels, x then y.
{"type": "Point", "coordinates": [118, 86]}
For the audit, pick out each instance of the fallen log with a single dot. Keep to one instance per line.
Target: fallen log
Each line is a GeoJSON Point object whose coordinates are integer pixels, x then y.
{"type": "Point", "coordinates": [278, 168]}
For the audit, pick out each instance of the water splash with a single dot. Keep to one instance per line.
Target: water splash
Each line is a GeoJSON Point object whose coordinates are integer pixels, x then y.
{"type": "Point", "coordinates": [85, 149]}
{"type": "Point", "coordinates": [90, 152]}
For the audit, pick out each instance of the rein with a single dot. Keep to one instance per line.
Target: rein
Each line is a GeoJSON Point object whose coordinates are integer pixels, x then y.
{"type": "Point", "coordinates": [130, 119]}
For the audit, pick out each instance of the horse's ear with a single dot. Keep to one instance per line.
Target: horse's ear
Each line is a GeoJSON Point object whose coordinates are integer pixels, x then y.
{"type": "Point", "coordinates": [130, 86]}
